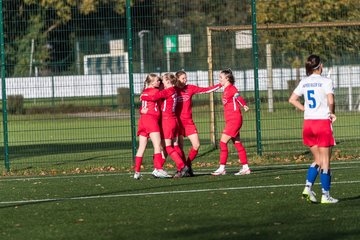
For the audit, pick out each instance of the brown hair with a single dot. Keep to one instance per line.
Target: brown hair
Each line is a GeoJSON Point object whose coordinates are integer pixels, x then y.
{"type": "Point", "coordinates": [228, 73]}
{"type": "Point", "coordinates": [179, 73]}
{"type": "Point", "coordinates": [312, 63]}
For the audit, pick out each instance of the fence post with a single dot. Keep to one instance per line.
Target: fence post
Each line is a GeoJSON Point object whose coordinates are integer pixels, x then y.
{"type": "Point", "coordinates": [211, 95]}
{"type": "Point", "coordinates": [131, 80]}
{"type": "Point", "coordinates": [101, 89]}
{"type": "Point", "coordinates": [52, 91]}
{"type": "Point", "coordinates": [3, 85]}
{"type": "Point", "coordinates": [256, 77]}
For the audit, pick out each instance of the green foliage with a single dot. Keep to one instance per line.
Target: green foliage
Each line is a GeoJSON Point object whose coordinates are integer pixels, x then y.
{"type": "Point", "coordinates": [23, 48]}
{"type": "Point", "coordinates": [123, 98]}
{"type": "Point", "coordinates": [64, 9]}
{"type": "Point", "coordinates": [182, 17]}
{"type": "Point", "coordinates": [27, 20]}
{"type": "Point", "coordinates": [15, 104]}
{"type": "Point", "coordinates": [330, 43]}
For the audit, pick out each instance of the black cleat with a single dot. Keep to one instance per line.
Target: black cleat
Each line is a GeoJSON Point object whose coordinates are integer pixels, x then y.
{"type": "Point", "coordinates": [182, 173]}
{"type": "Point", "coordinates": [190, 172]}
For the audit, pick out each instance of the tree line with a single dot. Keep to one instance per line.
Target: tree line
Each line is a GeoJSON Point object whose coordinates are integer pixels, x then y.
{"type": "Point", "coordinates": [49, 34]}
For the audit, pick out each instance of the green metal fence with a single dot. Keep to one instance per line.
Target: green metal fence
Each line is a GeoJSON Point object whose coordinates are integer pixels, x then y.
{"type": "Point", "coordinates": [72, 73]}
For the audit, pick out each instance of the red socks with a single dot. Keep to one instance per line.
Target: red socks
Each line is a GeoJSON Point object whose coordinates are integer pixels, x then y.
{"type": "Point", "coordinates": [138, 161]}
{"type": "Point", "coordinates": [223, 153]}
{"type": "Point", "coordinates": [175, 156]}
{"type": "Point", "coordinates": [180, 152]}
{"type": "Point", "coordinates": [158, 160]}
{"type": "Point", "coordinates": [241, 152]}
{"type": "Point", "coordinates": [192, 155]}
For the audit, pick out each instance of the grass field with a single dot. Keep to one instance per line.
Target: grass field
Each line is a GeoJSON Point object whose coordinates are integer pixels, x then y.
{"type": "Point", "coordinates": [64, 142]}
{"type": "Point", "coordinates": [264, 205]}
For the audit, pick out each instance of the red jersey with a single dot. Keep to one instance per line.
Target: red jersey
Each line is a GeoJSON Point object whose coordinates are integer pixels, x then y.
{"type": "Point", "coordinates": [184, 98]}
{"type": "Point", "coordinates": [232, 102]}
{"type": "Point", "coordinates": [168, 107]}
{"type": "Point", "coordinates": [150, 99]}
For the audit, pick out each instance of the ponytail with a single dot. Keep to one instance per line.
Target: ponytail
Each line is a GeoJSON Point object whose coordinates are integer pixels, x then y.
{"type": "Point", "coordinates": [312, 63]}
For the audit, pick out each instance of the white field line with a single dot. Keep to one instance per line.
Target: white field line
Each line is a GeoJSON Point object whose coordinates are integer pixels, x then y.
{"type": "Point", "coordinates": [162, 193]}
{"type": "Point", "coordinates": [202, 171]}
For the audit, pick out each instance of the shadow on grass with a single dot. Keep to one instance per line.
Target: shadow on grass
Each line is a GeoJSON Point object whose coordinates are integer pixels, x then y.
{"type": "Point", "coordinates": [36, 150]}
{"type": "Point", "coordinates": [349, 199]}
{"type": "Point", "coordinates": [108, 194]}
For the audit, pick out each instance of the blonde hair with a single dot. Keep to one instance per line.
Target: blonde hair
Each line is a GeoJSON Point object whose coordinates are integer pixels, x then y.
{"type": "Point", "coordinates": [151, 77]}
{"type": "Point", "coordinates": [171, 77]}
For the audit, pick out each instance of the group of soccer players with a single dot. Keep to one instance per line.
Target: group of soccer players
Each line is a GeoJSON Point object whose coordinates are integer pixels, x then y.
{"type": "Point", "coordinates": [166, 118]}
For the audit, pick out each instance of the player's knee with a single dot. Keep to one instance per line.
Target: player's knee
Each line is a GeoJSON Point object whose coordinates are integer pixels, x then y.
{"type": "Point", "coordinates": [196, 147]}
{"type": "Point", "coordinates": [223, 147]}
{"type": "Point", "coordinates": [169, 150]}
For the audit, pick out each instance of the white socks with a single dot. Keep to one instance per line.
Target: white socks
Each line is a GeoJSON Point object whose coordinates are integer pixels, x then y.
{"type": "Point", "coordinates": [222, 167]}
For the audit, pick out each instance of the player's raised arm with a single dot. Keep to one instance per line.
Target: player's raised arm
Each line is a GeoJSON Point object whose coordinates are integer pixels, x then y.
{"type": "Point", "coordinates": [199, 90]}
{"type": "Point", "coordinates": [159, 95]}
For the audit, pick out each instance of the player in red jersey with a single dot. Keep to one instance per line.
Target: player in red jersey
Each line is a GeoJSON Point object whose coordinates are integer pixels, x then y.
{"type": "Point", "coordinates": [148, 125]}
{"type": "Point", "coordinates": [169, 123]}
{"type": "Point", "coordinates": [232, 102]}
{"type": "Point", "coordinates": [184, 113]}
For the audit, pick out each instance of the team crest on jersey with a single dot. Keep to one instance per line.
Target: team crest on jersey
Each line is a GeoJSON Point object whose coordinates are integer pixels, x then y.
{"type": "Point", "coordinates": [224, 101]}
{"type": "Point", "coordinates": [183, 98]}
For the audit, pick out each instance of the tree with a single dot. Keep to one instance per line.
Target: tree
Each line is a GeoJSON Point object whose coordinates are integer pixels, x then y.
{"type": "Point", "coordinates": [182, 17]}
{"type": "Point", "coordinates": [330, 43]}
{"type": "Point", "coordinates": [63, 9]}
{"type": "Point", "coordinates": [28, 20]}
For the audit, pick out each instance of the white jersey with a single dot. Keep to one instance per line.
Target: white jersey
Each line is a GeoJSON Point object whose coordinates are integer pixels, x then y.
{"type": "Point", "coordinates": [315, 88]}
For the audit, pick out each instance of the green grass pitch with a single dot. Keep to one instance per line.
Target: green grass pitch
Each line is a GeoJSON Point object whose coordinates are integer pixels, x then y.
{"type": "Point", "coordinates": [264, 205]}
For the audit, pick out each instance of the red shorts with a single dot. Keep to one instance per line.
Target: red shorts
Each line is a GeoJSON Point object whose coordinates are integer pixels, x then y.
{"type": "Point", "coordinates": [147, 124]}
{"type": "Point", "coordinates": [170, 128]}
{"type": "Point", "coordinates": [232, 127]}
{"type": "Point", "coordinates": [187, 127]}
{"type": "Point", "coordinates": [318, 133]}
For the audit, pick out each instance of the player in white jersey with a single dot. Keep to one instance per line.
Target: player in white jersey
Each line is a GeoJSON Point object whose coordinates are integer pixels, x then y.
{"type": "Point", "coordinates": [319, 114]}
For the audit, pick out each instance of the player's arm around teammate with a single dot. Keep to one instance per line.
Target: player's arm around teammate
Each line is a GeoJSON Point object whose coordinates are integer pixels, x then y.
{"type": "Point", "coordinates": [148, 126]}
{"type": "Point", "coordinates": [170, 126]}
{"type": "Point", "coordinates": [184, 113]}
{"type": "Point", "coordinates": [232, 102]}
{"type": "Point", "coordinates": [319, 114]}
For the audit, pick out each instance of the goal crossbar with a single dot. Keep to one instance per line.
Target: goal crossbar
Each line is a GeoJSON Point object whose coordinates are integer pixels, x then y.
{"type": "Point", "coordinates": [284, 26]}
